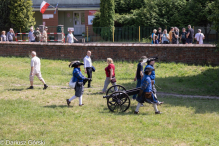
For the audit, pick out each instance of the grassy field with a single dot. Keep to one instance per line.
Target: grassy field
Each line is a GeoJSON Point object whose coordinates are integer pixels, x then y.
{"type": "Point", "coordinates": [43, 115]}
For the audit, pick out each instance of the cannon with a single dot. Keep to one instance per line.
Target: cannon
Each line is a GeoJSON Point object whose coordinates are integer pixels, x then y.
{"type": "Point", "coordinates": [118, 98]}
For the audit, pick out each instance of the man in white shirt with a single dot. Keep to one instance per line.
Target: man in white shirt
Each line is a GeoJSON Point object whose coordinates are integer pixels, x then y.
{"type": "Point", "coordinates": [31, 36]}
{"type": "Point", "coordinates": [70, 37]}
{"type": "Point", "coordinates": [199, 36]}
{"type": "Point", "coordinates": [88, 66]}
{"type": "Point", "coordinates": [35, 70]}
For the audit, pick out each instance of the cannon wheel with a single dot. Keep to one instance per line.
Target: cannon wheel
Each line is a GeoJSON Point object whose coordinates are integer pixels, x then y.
{"type": "Point", "coordinates": [118, 102]}
{"type": "Point", "coordinates": [112, 89]}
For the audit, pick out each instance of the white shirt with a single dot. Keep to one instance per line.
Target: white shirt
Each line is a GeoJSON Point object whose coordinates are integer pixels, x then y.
{"type": "Point", "coordinates": [70, 38]}
{"type": "Point", "coordinates": [87, 62]}
{"type": "Point", "coordinates": [35, 63]}
{"type": "Point", "coordinates": [199, 37]}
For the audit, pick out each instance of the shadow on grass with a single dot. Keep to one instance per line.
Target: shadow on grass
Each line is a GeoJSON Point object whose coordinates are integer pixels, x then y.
{"type": "Point", "coordinates": [16, 89]}
{"type": "Point", "coordinates": [57, 106]}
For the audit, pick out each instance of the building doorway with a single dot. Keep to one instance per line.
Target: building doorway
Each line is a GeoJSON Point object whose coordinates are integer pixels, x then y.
{"type": "Point", "coordinates": [79, 22]}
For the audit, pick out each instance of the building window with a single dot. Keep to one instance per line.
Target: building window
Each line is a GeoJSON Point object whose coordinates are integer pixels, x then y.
{"type": "Point", "coordinates": [82, 18]}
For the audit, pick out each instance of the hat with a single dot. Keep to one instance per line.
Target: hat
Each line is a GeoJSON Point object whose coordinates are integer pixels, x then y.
{"type": "Point", "coordinates": [152, 59]}
{"type": "Point", "coordinates": [37, 28]}
{"type": "Point", "coordinates": [148, 69]}
{"type": "Point", "coordinates": [46, 27]}
{"type": "Point", "coordinates": [142, 58]}
{"type": "Point", "coordinates": [75, 64]}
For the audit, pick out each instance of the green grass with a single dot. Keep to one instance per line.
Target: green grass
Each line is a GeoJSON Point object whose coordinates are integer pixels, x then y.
{"type": "Point", "coordinates": [43, 115]}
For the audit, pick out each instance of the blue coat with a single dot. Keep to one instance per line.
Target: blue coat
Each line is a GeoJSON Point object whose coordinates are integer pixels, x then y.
{"type": "Point", "coordinates": [152, 76]}
{"type": "Point", "coordinates": [146, 86]}
{"type": "Point", "coordinates": [77, 75]}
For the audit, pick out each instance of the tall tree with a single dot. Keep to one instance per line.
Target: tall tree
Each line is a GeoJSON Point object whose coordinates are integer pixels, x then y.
{"type": "Point", "coordinates": [21, 14]}
{"type": "Point", "coordinates": [4, 14]}
{"type": "Point", "coordinates": [107, 14]}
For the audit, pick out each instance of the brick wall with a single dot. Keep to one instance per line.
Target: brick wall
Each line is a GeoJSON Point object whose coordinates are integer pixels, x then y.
{"type": "Point", "coordinates": [192, 54]}
{"type": "Point", "coordinates": [51, 21]}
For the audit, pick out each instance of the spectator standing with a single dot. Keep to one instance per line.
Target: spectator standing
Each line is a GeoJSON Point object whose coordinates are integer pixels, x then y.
{"type": "Point", "coordinates": [31, 36]}
{"type": "Point", "coordinates": [183, 36]}
{"type": "Point", "coordinates": [199, 37]}
{"type": "Point", "coordinates": [88, 66]}
{"type": "Point", "coordinates": [153, 36]}
{"type": "Point", "coordinates": [165, 37]}
{"type": "Point", "coordinates": [139, 74]}
{"type": "Point", "coordinates": [175, 35]}
{"type": "Point", "coordinates": [156, 39]}
{"type": "Point", "coordinates": [35, 70]}
{"type": "Point", "coordinates": [110, 74]}
{"type": "Point", "coordinates": [171, 34]}
{"type": "Point", "coordinates": [44, 36]}
{"type": "Point", "coordinates": [159, 34]}
{"type": "Point", "coordinates": [70, 37]}
{"type": "Point", "coordinates": [189, 35]}
{"type": "Point", "coordinates": [10, 35]}
{"type": "Point", "coordinates": [3, 36]}
{"type": "Point", "coordinates": [37, 35]}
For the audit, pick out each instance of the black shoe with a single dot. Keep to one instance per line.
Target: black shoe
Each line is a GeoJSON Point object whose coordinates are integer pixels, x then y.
{"type": "Point", "coordinates": [31, 87]}
{"type": "Point", "coordinates": [45, 86]}
{"type": "Point", "coordinates": [158, 112]}
{"type": "Point", "coordinates": [136, 112]}
{"type": "Point", "coordinates": [81, 104]}
{"type": "Point", "coordinates": [68, 102]}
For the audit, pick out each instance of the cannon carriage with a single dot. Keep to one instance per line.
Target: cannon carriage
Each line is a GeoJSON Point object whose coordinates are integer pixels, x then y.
{"type": "Point", "coordinates": [118, 98]}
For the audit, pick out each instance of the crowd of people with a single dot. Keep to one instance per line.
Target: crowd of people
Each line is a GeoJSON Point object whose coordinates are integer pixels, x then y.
{"type": "Point", "coordinates": [175, 37]}
{"type": "Point", "coordinates": [158, 36]}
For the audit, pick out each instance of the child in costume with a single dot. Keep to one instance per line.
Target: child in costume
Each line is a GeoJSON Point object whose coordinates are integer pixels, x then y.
{"type": "Point", "coordinates": [79, 81]}
{"type": "Point", "coordinates": [146, 94]}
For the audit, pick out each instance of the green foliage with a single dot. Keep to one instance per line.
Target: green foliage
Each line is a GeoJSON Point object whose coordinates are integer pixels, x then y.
{"type": "Point", "coordinates": [4, 14]}
{"type": "Point", "coordinates": [125, 6]}
{"type": "Point", "coordinates": [21, 14]}
{"type": "Point", "coordinates": [107, 14]}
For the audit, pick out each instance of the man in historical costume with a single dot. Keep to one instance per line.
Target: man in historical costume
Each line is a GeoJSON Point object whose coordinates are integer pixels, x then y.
{"type": "Point", "coordinates": [44, 36]}
{"type": "Point", "coordinates": [35, 70]}
{"type": "Point", "coordinates": [146, 94]}
{"type": "Point", "coordinates": [150, 64]}
{"type": "Point", "coordinates": [79, 81]}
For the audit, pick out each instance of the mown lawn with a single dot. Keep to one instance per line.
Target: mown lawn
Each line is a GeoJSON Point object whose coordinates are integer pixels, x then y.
{"type": "Point", "coordinates": [43, 115]}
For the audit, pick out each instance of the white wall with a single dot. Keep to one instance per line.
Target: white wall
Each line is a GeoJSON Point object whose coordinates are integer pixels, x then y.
{"type": "Point", "coordinates": [84, 2]}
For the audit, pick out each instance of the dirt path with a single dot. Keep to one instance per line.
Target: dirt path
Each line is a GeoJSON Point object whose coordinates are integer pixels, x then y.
{"type": "Point", "coordinates": [158, 93]}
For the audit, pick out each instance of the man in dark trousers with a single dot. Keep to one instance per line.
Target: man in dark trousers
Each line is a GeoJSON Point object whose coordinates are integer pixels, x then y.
{"type": "Point", "coordinates": [88, 66]}
{"type": "Point", "coordinates": [189, 35]}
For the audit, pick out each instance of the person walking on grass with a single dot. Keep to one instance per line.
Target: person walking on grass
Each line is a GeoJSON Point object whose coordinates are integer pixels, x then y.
{"type": "Point", "coordinates": [150, 64]}
{"type": "Point", "coordinates": [35, 70]}
{"type": "Point", "coordinates": [139, 73]}
{"type": "Point", "coordinates": [70, 37]}
{"type": "Point", "coordinates": [79, 81]}
{"type": "Point", "coordinates": [146, 94]}
{"type": "Point", "coordinates": [110, 75]}
{"type": "Point", "coordinates": [88, 66]}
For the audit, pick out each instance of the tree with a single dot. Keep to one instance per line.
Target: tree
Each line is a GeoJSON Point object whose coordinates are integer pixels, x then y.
{"type": "Point", "coordinates": [4, 14]}
{"type": "Point", "coordinates": [107, 14]}
{"type": "Point", "coordinates": [21, 14]}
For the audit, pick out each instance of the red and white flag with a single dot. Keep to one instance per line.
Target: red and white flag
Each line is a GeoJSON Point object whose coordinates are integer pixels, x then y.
{"type": "Point", "coordinates": [44, 5]}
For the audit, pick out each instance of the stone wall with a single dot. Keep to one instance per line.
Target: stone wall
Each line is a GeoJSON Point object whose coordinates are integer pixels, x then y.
{"type": "Point", "coordinates": [191, 54]}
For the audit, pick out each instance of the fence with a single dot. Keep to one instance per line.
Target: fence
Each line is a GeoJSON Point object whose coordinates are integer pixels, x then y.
{"type": "Point", "coordinates": [122, 34]}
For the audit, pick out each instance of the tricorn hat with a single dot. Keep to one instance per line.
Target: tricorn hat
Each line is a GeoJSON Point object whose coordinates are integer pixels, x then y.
{"type": "Point", "coordinates": [75, 64]}
{"type": "Point", "coordinates": [148, 69]}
